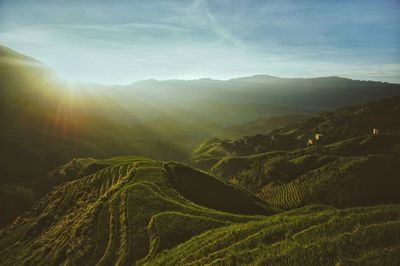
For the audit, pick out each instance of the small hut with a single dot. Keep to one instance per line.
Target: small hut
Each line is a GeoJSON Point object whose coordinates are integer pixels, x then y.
{"type": "Point", "coordinates": [234, 180]}
{"type": "Point", "coordinates": [310, 142]}
{"type": "Point", "coordinates": [318, 136]}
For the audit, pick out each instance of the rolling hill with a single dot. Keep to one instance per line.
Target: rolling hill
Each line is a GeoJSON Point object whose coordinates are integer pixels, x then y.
{"type": "Point", "coordinates": [313, 235]}
{"type": "Point", "coordinates": [265, 125]}
{"type": "Point", "coordinates": [132, 210]}
{"type": "Point", "coordinates": [128, 210]}
{"type": "Point", "coordinates": [347, 166]}
{"type": "Point", "coordinates": [347, 122]}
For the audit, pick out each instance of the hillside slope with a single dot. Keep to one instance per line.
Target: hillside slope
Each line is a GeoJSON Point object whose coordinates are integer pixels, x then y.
{"type": "Point", "coordinates": [341, 124]}
{"type": "Point", "coordinates": [265, 125]}
{"type": "Point", "coordinates": [346, 166]}
{"type": "Point", "coordinates": [314, 235]}
{"type": "Point", "coordinates": [129, 210]}
{"type": "Point", "coordinates": [132, 210]}
{"type": "Point", "coordinates": [46, 122]}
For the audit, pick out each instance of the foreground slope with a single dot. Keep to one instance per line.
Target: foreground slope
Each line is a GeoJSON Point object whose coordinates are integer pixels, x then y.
{"type": "Point", "coordinates": [314, 235]}
{"type": "Point", "coordinates": [131, 210]}
{"type": "Point", "coordinates": [128, 210]}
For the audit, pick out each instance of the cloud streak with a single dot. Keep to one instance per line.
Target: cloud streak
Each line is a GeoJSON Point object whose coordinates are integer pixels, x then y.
{"type": "Point", "coordinates": [126, 41]}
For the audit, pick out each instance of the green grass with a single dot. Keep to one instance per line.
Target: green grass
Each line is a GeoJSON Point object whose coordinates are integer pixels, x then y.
{"type": "Point", "coordinates": [358, 171]}
{"type": "Point", "coordinates": [313, 235]}
{"type": "Point", "coordinates": [127, 211]}
{"type": "Point", "coordinates": [193, 184]}
{"type": "Point", "coordinates": [344, 182]}
{"type": "Point", "coordinates": [141, 211]}
{"type": "Point", "coordinates": [168, 229]}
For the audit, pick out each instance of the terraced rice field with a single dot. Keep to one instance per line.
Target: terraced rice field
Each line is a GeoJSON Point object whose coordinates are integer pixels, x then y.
{"type": "Point", "coordinates": [313, 235]}
{"type": "Point", "coordinates": [123, 213]}
{"type": "Point", "coordinates": [139, 211]}
{"type": "Point", "coordinates": [286, 196]}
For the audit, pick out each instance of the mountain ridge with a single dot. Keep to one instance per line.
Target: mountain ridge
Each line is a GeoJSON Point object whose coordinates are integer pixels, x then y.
{"type": "Point", "coordinates": [333, 158]}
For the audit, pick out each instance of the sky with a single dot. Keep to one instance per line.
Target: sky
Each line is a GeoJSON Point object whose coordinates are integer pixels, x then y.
{"type": "Point", "coordinates": [119, 42]}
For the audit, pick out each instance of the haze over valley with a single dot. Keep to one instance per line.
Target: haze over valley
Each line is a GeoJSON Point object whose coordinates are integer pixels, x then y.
{"type": "Point", "coordinates": [226, 133]}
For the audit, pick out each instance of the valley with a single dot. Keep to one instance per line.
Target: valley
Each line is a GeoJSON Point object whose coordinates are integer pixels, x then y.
{"type": "Point", "coordinates": [257, 170]}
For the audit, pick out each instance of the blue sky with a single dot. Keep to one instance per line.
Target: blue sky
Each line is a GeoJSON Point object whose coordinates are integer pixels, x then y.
{"type": "Point", "coordinates": [118, 42]}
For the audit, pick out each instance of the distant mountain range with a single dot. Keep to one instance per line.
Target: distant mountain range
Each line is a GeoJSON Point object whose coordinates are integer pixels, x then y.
{"type": "Point", "coordinates": [321, 93]}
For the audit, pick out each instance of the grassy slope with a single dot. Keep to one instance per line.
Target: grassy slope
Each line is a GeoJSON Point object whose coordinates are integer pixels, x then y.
{"type": "Point", "coordinates": [313, 235]}
{"type": "Point", "coordinates": [342, 124]}
{"type": "Point", "coordinates": [265, 125]}
{"type": "Point", "coordinates": [344, 182]}
{"type": "Point", "coordinates": [354, 172]}
{"type": "Point", "coordinates": [127, 211]}
{"type": "Point", "coordinates": [348, 167]}
{"type": "Point", "coordinates": [132, 210]}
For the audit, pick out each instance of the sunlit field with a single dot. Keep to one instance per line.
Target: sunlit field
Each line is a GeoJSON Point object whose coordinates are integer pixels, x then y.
{"type": "Point", "coordinates": [199, 132]}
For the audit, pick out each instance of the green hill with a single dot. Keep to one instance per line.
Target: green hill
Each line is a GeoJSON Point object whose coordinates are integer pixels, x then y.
{"type": "Point", "coordinates": [132, 210]}
{"type": "Point", "coordinates": [314, 235]}
{"type": "Point", "coordinates": [345, 167]}
{"type": "Point", "coordinates": [265, 125]}
{"type": "Point", "coordinates": [292, 179]}
{"type": "Point", "coordinates": [128, 211]}
{"type": "Point", "coordinates": [342, 182]}
{"type": "Point", "coordinates": [344, 123]}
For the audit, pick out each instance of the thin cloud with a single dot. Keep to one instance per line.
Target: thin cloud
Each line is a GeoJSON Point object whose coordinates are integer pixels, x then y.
{"type": "Point", "coordinates": [121, 42]}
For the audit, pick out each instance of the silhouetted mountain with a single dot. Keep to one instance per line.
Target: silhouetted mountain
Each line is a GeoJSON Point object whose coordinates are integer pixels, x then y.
{"type": "Point", "coordinates": [310, 94]}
